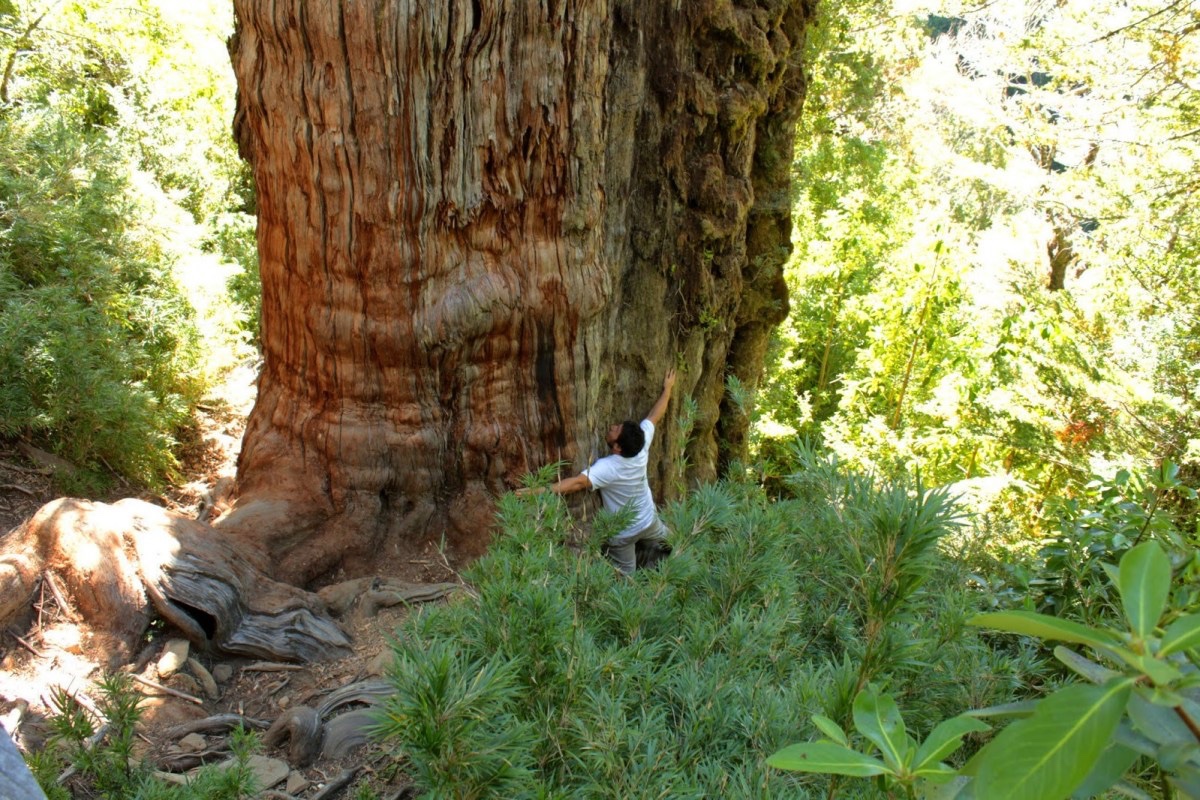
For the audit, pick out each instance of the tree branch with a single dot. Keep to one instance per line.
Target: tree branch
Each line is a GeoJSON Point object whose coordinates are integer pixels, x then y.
{"type": "Point", "coordinates": [1141, 21]}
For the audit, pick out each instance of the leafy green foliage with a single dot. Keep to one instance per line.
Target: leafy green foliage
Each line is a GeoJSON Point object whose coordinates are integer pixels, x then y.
{"type": "Point", "coordinates": [1094, 528]}
{"type": "Point", "coordinates": [1140, 697]}
{"type": "Point", "coordinates": [106, 763]}
{"type": "Point", "coordinates": [97, 343]}
{"type": "Point", "coordinates": [994, 267]}
{"type": "Point", "coordinates": [560, 677]}
{"type": "Point", "coordinates": [234, 238]}
{"type": "Point", "coordinates": [115, 154]}
{"type": "Point", "coordinates": [905, 762]}
{"type": "Point", "coordinates": [454, 715]}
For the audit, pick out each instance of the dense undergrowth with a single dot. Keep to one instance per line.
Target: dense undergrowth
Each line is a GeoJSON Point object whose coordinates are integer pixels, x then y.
{"type": "Point", "coordinates": [124, 212]}
{"type": "Point", "coordinates": [84, 759]}
{"type": "Point", "coordinates": [560, 678]}
{"type": "Point", "coordinates": [833, 629]}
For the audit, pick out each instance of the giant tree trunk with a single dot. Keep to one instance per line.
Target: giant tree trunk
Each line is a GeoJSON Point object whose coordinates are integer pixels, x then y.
{"type": "Point", "coordinates": [485, 230]}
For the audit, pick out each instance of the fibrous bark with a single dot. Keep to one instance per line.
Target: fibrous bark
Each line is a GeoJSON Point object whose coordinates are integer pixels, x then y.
{"type": "Point", "coordinates": [485, 230]}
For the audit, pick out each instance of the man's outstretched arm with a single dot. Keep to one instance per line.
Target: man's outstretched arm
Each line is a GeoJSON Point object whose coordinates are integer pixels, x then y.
{"type": "Point", "coordinates": [576, 483]}
{"type": "Point", "coordinates": [660, 405]}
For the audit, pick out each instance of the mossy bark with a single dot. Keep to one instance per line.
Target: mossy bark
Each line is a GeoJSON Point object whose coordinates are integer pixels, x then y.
{"type": "Point", "coordinates": [485, 230]}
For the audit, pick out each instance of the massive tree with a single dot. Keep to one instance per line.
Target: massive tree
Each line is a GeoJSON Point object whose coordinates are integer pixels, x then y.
{"type": "Point", "coordinates": [485, 230]}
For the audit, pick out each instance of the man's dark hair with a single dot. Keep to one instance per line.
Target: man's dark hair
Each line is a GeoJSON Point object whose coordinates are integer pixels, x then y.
{"type": "Point", "coordinates": [631, 439]}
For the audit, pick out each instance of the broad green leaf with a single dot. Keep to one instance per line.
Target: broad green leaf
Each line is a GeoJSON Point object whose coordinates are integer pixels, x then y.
{"type": "Point", "coordinates": [1174, 757]}
{"type": "Point", "coordinates": [1020, 708]}
{"type": "Point", "coordinates": [877, 718]}
{"type": "Point", "coordinates": [936, 773]}
{"type": "Point", "coordinates": [1050, 754]}
{"type": "Point", "coordinates": [1160, 672]}
{"type": "Point", "coordinates": [1111, 767]}
{"type": "Point", "coordinates": [944, 740]}
{"type": "Point", "coordinates": [1182, 634]}
{"type": "Point", "coordinates": [1186, 781]}
{"type": "Point", "coordinates": [830, 729]}
{"type": "Point", "coordinates": [951, 790]}
{"type": "Point", "coordinates": [1043, 626]}
{"type": "Point", "coordinates": [1145, 583]}
{"type": "Point", "coordinates": [1084, 666]}
{"type": "Point", "coordinates": [827, 757]}
{"type": "Point", "coordinates": [1135, 741]}
{"type": "Point", "coordinates": [1161, 725]}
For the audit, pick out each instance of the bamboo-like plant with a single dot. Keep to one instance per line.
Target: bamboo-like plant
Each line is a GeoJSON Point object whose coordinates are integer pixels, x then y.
{"type": "Point", "coordinates": [677, 681]}
{"type": "Point", "coordinates": [100, 752]}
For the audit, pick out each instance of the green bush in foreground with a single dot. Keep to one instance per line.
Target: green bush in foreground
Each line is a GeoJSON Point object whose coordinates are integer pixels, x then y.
{"type": "Point", "coordinates": [103, 759]}
{"type": "Point", "coordinates": [1139, 701]}
{"type": "Point", "coordinates": [560, 678]}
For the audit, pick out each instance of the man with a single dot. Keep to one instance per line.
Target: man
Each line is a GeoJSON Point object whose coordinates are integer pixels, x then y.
{"type": "Point", "coordinates": [621, 478]}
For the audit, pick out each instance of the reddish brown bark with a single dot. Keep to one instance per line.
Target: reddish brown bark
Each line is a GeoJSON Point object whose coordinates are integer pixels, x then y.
{"type": "Point", "coordinates": [485, 229]}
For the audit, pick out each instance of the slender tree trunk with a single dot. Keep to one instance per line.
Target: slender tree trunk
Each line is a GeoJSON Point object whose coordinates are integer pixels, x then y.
{"type": "Point", "coordinates": [482, 229]}
{"type": "Point", "coordinates": [917, 346]}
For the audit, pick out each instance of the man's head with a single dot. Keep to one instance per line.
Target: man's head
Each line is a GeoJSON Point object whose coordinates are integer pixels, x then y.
{"type": "Point", "coordinates": [626, 439]}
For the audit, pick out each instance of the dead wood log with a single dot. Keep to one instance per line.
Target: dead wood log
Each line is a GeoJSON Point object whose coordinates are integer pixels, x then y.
{"type": "Point", "coordinates": [82, 543]}
{"type": "Point", "coordinates": [371, 594]}
{"type": "Point", "coordinates": [114, 561]}
{"type": "Point", "coordinates": [368, 692]}
{"type": "Point", "coordinates": [220, 723]}
{"type": "Point", "coordinates": [335, 787]}
{"type": "Point", "coordinates": [301, 728]}
{"type": "Point", "coordinates": [347, 732]}
{"type": "Point", "coordinates": [219, 594]}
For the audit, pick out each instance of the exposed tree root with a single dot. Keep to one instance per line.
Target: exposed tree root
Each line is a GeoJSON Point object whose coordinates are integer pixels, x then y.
{"type": "Point", "coordinates": [114, 562]}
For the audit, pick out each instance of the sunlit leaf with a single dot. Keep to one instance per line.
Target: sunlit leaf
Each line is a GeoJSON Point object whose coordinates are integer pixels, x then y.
{"type": "Point", "coordinates": [1182, 634]}
{"type": "Point", "coordinates": [1160, 672]}
{"type": "Point", "coordinates": [830, 729]}
{"type": "Point", "coordinates": [826, 757]}
{"type": "Point", "coordinates": [1050, 754]}
{"type": "Point", "coordinates": [944, 740]}
{"type": "Point", "coordinates": [1019, 709]}
{"type": "Point", "coordinates": [878, 718]}
{"type": "Point", "coordinates": [1046, 627]}
{"type": "Point", "coordinates": [1145, 581]}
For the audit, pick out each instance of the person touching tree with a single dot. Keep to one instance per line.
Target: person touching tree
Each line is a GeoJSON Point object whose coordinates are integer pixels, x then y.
{"type": "Point", "coordinates": [621, 479]}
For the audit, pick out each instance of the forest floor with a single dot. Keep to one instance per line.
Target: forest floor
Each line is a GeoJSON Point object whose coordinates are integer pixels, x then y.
{"type": "Point", "coordinates": [50, 652]}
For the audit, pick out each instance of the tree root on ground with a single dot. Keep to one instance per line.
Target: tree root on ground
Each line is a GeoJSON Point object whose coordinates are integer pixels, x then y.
{"type": "Point", "coordinates": [114, 563]}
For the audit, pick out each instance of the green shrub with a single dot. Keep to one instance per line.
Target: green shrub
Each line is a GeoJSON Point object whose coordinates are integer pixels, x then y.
{"type": "Point", "coordinates": [1137, 704]}
{"type": "Point", "coordinates": [234, 238]}
{"type": "Point", "coordinates": [104, 759]}
{"type": "Point", "coordinates": [679, 681]}
{"type": "Point", "coordinates": [98, 350]}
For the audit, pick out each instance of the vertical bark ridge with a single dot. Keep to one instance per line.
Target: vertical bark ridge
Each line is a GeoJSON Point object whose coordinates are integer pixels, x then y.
{"type": "Point", "coordinates": [485, 228]}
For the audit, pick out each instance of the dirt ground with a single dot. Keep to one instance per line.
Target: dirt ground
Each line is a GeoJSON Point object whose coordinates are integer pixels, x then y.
{"type": "Point", "coordinates": [50, 653]}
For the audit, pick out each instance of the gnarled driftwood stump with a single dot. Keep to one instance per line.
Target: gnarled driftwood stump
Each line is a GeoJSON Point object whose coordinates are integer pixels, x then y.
{"type": "Point", "coordinates": [114, 562]}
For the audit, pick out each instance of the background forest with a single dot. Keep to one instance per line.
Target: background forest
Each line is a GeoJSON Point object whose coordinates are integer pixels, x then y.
{"type": "Point", "coordinates": [993, 292]}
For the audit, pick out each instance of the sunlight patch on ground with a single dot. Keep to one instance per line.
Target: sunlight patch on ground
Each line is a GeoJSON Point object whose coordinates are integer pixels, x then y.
{"type": "Point", "coordinates": [23, 677]}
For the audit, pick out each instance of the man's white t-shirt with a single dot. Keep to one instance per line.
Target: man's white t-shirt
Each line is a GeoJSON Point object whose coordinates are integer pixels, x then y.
{"type": "Point", "coordinates": [622, 482]}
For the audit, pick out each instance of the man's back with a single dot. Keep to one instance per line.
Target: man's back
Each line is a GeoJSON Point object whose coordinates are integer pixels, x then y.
{"type": "Point", "coordinates": [622, 481]}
